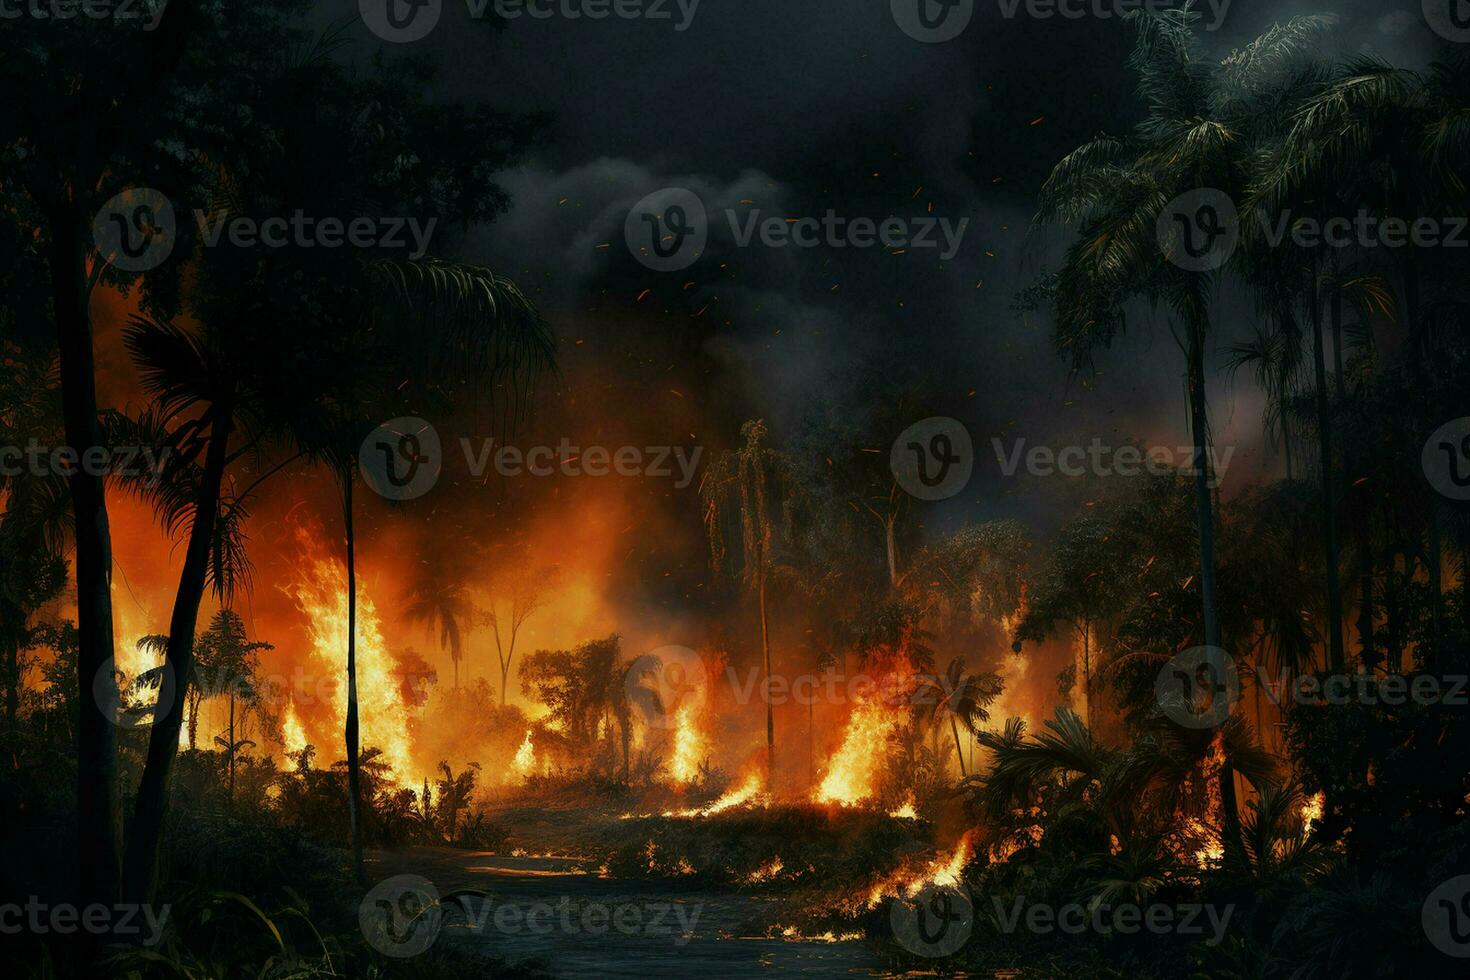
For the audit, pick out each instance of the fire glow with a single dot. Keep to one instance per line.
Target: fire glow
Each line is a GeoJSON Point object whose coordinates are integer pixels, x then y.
{"type": "Point", "coordinates": [385, 722]}
{"type": "Point", "coordinates": [853, 769]}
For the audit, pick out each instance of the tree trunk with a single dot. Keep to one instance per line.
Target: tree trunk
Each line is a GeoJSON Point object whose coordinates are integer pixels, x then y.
{"type": "Point", "coordinates": [97, 825]}
{"type": "Point", "coordinates": [770, 709]}
{"type": "Point", "coordinates": [230, 794]}
{"type": "Point", "coordinates": [146, 834]}
{"type": "Point", "coordinates": [958, 751]}
{"type": "Point", "coordinates": [350, 730]}
{"type": "Point", "coordinates": [194, 701]}
{"type": "Point", "coordinates": [1336, 658]}
{"type": "Point", "coordinates": [1087, 671]}
{"type": "Point", "coordinates": [1199, 422]}
{"type": "Point", "coordinates": [1356, 497]}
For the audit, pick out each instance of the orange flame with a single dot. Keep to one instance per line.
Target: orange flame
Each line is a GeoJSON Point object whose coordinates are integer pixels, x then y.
{"type": "Point", "coordinates": [689, 747]}
{"type": "Point", "coordinates": [383, 717]}
{"type": "Point", "coordinates": [525, 760]}
{"type": "Point", "coordinates": [853, 769]}
{"type": "Point", "coordinates": [944, 871]}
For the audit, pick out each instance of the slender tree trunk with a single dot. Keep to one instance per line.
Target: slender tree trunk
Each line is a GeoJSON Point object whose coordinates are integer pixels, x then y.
{"type": "Point", "coordinates": [1336, 658]}
{"type": "Point", "coordinates": [770, 709]}
{"type": "Point", "coordinates": [1416, 371]}
{"type": "Point", "coordinates": [1356, 497]}
{"type": "Point", "coordinates": [230, 795]}
{"type": "Point", "coordinates": [1199, 422]}
{"type": "Point", "coordinates": [350, 729]}
{"type": "Point", "coordinates": [1087, 671]}
{"type": "Point", "coordinates": [146, 834]}
{"type": "Point", "coordinates": [958, 750]}
{"type": "Point", "coordinates": [193, 721]}
{"type": "Point", "coordinates": [97, 823]}
{"type": "Point", "coordinates": [811, 743]}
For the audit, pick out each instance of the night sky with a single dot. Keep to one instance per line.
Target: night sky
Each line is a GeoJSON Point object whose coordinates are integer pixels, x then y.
{"type": "Point", "coordinates": [801, 108]}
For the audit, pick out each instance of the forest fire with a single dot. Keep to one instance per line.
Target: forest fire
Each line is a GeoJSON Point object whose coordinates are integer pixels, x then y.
{"type": "Point", "coordinates": [690, 748]}
{"type": "Point", "coordinates": [943, 871]}
{"type": "Point", "coordinates": [742, 795]}
{"type": "Point", "coordinates": [385, 721]}
{"type": "Point", "coordinates": [524, 763]}
{"type": "Point", "coordinates": [851, 773]}
{"type": "Point", "coordinates": [874, 606]}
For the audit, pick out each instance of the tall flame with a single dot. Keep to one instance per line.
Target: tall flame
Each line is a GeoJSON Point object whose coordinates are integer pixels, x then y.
{"type": "Point", "coordinates": [525, 760]}
{"type": "Point", "coordinates": [383, 718]}
{"type": "Point", "coordinates": [689, 747]}
{"type": "Point", "coordinates": [292, 734]}
{"type": "Point", "coordinates": [853, 769]}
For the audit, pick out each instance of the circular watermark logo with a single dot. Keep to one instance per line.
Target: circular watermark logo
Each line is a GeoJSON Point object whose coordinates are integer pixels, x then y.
{"type": "Point", "coordinates": [1198, 688]}
{"type": "Point", "coordinates": [667, 230]}
{"type": "Point", "coordinates": [1450, 19]}
{"type": "Point", "coordinates": [402, 458]}
{"type": "Point", "coordinates": [140, 703]}
{"type": "Point", "coordinates": [135, 231]}
{"type": "Point", "coordinates": [934, 922]}
{"type": "Point", "coordinates": [663, 682]}
{"type": "Point", "coordinates": [1199, 230]}
{"type": "Point", "coordinates": [1446, 459]}
{"type": "Point", "coordinates": [933, 459]}
{"type": "Point", "coordinates": [1446, 917]}
{"type": "Point", "coordinates": [400, 21]}
{"type": "Point", "coordinates": [400, 916]}
{"type": "Point", "coordinates": [932, 21]}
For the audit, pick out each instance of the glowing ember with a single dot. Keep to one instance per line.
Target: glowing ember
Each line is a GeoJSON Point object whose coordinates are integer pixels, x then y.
{"type": "Point", "coordinates": [739, 796]}
{"type": "Point", "coordinates": [766, 871]}
{"type": "Point", "coordinates": [689, 747]}
{"type": "Point", "coordinates": [853, 769]}
{"type": "Point", "coordinates": [944, 871]}
{"type": "Point", "coordinates": [383, 718]}
{"type": "Point", "coordinates": [907, 811]}
{"type": "Point", "coordinates": [525, 760]}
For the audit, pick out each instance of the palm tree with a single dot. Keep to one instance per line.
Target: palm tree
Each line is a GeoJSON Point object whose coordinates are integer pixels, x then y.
{"type": "Point", "coordinates": [1392, 141]}
{"type": "Point", "coordinates": [751, 481]}
{"type": "Point", "coordinates": [962, 698]}
{"type": "Point", "coordinates": [1115, 190]}
{"type": "Point", "coordinates": [442, 606]}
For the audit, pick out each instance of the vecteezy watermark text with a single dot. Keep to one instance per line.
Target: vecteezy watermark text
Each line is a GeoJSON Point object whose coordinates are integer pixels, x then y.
{"type": "Point", "coordinates": [63, 919]}
{"type": "Point", "coordinates": [835, 231]}
{"type": "Point", "coordinates": [39, 460]}
{"type": "Point", "coordinates": [570, 460]}
{"type": "Point", "coordinates": [123, 11]}
{"type": "Point", "coordinates": [402, 916]}
{"type": "Point", "coordinates": [1102, 460]}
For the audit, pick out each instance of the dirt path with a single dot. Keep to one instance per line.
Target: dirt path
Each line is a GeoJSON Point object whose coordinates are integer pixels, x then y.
{"type": "Point", "coordinates": [583, 925]}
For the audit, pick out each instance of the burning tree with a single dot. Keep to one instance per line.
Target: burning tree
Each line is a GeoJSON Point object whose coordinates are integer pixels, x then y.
{"type": "Point", "coordinates": [753, 482]}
